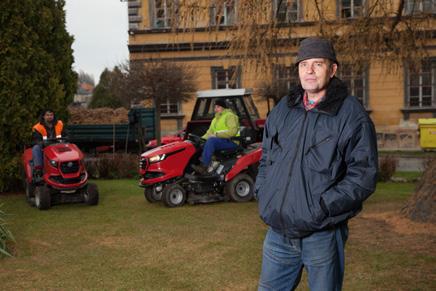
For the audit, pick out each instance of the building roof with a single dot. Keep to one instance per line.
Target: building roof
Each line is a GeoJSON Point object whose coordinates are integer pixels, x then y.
{"type": "Point", "coordinates": [224, 93]}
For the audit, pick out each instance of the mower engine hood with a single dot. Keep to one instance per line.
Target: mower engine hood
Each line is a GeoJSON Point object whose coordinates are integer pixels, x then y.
{"type": "Point", "coordinates": [63, 152]}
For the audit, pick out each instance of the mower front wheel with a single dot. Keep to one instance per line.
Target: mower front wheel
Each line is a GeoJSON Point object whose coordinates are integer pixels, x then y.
{"type": "Point", "coordinates": [30, 193]}
{"type": "Point", "coordinates": [152, 195]}
{"type": "Point", "coordinates": [91, 195]}
{"type": "Point", "coordinates": [240, 188]}
{"type": "Point", "coordinates": [42, 197]}
{"type": "Point", "coordinates": [174, 195]}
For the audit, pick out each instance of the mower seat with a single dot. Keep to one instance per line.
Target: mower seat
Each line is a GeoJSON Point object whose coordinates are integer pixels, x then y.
{"type": "Point", "coordinates": [226, 154]}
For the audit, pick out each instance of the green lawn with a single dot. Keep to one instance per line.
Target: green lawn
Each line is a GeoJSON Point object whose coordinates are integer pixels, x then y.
{"type": "Point", "coordinates": [127, 243]}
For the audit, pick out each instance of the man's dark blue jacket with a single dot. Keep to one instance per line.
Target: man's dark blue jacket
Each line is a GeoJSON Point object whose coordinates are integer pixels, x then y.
{"type": "Point", "coordinates": [317, 166]}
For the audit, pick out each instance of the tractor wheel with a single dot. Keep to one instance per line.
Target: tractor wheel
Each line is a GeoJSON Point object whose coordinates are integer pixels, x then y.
{"type": "Point", "coordinates": [240, 188]}
{"type": "Point", "coordinates": [90, 195]}
{"type": "Point", "coordinates": [174, 195]}
{"type": "Point", "coordinates": [42, 197]}
{"type": "Point", "coordinates": [29, 188]}
{"type": "Point", "coordinates": [30, 193]}
{"type": "Point", "coordinates": [152, 195]}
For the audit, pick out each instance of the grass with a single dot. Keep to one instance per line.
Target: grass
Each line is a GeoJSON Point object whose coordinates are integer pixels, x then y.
{"type": "Point", "coordinates": [127, 243]}
{"type": "Point", "coordinates": [408, 153]}
{"type": "Point", "coordinates": [408, 176]}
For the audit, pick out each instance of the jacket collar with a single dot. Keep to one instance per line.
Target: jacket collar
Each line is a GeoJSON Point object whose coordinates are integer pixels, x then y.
{"type": "Point", "coordinates": [226, 110]}
{"type": "Point", "coordinates": [336, 94]}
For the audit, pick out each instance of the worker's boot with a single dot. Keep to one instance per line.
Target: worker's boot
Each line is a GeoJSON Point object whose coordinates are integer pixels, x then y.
{"type": "Point", "coordinates": [37, 175]}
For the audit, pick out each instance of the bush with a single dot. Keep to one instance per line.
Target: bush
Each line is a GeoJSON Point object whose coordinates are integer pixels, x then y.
{"type": "Point", "coordinates": [113, 166]}
{"type": "Point", "coordinates": [387, 168]}
{"type": "Point", "coordinates": [5, 235]}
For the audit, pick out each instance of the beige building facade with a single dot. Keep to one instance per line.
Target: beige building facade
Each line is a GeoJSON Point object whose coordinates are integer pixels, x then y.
{"type": "Point", "coordinates": [395, 99]}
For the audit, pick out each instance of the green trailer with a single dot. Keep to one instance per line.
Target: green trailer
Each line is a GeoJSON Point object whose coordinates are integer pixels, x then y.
{"type": "Point", "coordinates": [128, 137]}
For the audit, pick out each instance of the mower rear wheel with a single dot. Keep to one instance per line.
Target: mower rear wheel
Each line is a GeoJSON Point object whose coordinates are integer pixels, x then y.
{"type": "Point", "coordinates": [42, 197]}
{"type": "Point", "coordinates": [240, 188]}
{"type": "Point", "coordinates": [90, 195]}
{"type": "Point", "coordinates": [174, 195]}
{"type": "Point", "coordinates": [152, 195]}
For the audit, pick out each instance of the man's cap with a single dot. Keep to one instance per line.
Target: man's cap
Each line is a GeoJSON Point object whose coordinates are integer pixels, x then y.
{"type": "Point", "coordinates": [221, 102]}
{"type": "Point", "coordinates": [316, 47]}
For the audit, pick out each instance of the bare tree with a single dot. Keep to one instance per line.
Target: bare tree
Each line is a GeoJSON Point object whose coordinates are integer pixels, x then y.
{"type": "Point", "coordinates": [85, 78]}
{"type": "Point", "coordinates": [378, 31]}
{"type": "Point", "coordinates": [158, 81]}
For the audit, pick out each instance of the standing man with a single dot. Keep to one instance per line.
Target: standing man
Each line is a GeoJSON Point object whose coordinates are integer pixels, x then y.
{"type": "Point", "coordinates": [223, 127]}
{"type": "Point", "coordinates": [318, 165]}
{"type": "Point", "coordinates": [48, 127]}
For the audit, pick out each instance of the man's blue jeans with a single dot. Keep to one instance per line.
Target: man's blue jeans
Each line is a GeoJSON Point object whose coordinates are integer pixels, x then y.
{"type": "Point", "coordinates": [321, 253]}
{"type": "Point", "coordinates": [215, 144]}
{"type": "Point", "coordinates": [37, 156]}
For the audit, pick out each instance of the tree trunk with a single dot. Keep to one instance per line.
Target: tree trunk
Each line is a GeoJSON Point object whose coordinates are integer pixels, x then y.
{"type": "Point", "coordinates": [157, 120]}
{"type": "Point", "coordinates": [422, 205]}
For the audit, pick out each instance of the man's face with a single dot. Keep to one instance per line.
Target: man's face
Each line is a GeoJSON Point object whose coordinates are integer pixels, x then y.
{"type": "Point", "coordinates": [48, 117]}
{"type": "Point", "coordinates": [315, 74]}
{"type": "Point", "coordinates": [218, 109]}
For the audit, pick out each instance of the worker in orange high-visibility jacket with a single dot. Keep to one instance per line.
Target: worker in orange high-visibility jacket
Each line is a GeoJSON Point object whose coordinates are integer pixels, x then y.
{"type": "Point", "coordinates": [48, 127]}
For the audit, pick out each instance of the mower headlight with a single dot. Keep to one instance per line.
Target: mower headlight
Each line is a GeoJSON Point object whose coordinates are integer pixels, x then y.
{"type": "Point", "coordinates": [54, 163]}
{"type": "Point", "coordinates": [157, 158]}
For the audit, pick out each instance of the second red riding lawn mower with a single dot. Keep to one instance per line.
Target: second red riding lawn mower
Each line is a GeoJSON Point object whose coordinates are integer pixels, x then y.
{"type": "Point", "coordinates": [64, 178]}
{"type": "Point", "coordinates": [167, 173]}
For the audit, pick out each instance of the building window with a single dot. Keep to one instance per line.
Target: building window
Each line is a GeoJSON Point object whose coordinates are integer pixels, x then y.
{"type": "Point", "coordinates": [226, 78]}
{"type": "Point", "coordinates": [421, 82]}
{"type": "Point", "coordinates": [134, 13]}
{"type": "Point", "coordinates": [351, 8]}
{"type": "Point", "coordinates": [419, 6]}
{"type": "Point", "coordinates": [165, 13]}
{"type": "Point", "coordinates": [356, 81]}
{"type": "Point", "coordinates": [286, 76]}
{"type": "Point", "coordinates": [287, 11]}
{"type": "Point", "coordinates": [170, 107]}
{"type": "Point", "coordinates": [223, 14]}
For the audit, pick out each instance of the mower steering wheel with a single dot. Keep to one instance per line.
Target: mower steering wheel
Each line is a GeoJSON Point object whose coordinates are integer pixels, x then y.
{"type": "Point", "coordinates": [51, 141]}
{"type": "Point", "coordinates": [196, 139]}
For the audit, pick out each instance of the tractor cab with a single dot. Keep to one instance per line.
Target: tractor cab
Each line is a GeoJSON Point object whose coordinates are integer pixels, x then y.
{"type": "Point", "coordinates": [240, 101]}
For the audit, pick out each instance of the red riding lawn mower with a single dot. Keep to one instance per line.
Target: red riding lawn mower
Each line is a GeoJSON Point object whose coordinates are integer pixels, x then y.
{"type": "Point", "coordinates": [64, 178]}
{"type": "Point", "coordinates": [166, 171]}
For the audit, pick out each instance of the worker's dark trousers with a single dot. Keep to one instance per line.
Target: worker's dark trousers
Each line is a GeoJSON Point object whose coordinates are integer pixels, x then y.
{"type": "Point", "coordinates": [215, 144]}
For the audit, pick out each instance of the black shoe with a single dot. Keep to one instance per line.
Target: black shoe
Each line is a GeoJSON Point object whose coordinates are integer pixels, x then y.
{"type": "Point", "coordinates": [200, 169]}
{"type": "Point", "coordinates": [37, 175]}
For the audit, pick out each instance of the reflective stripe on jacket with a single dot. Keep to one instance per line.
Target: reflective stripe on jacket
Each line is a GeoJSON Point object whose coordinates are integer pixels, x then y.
{"type": "Point", "coordinates": [224, 125]}
{"type": "Point", "coordinates": [40, 128]}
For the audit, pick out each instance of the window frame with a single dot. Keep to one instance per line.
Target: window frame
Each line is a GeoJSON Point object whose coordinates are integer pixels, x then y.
{"type": "Point", "coordinates": [169, 15]}
{"type": "Point", "coordinates": [168, 103]}
{"type": "Point", "coordinates": [363, 75]}
{"type": "Point", "coordinates": [288, 74]}
{"type": "Point", "coordinates": [288, 19]}
{"type": "Point", "coordinates": [340, 8]}
{"type": "Point", "coordinates": [228, 79]}
{"type": "Point", "coordinates": [420, 74]}
{"type": "Point", "coordinates": [226, 16]}
{"type": "Point", "coordinates": [413, 7]}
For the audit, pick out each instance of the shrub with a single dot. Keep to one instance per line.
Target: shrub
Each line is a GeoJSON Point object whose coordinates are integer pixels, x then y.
{"type": "Point", "coordinates": [387, 168]}
{"type": "Point", "coordinates": [113, 166]}
{"type": "Point", "coordinates": [5, 235]}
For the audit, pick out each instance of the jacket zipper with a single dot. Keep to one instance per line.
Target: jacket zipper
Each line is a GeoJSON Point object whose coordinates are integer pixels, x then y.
{"type": "Point", "coordinates": [290, 170]}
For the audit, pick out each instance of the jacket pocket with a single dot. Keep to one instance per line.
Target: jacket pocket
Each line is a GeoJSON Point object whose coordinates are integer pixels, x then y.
{"type": "Point", "coordinates": [322, 154]}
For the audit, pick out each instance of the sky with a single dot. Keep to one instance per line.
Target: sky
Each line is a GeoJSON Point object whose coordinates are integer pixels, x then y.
{"type": "Point", "coordinates": [100, 34]}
